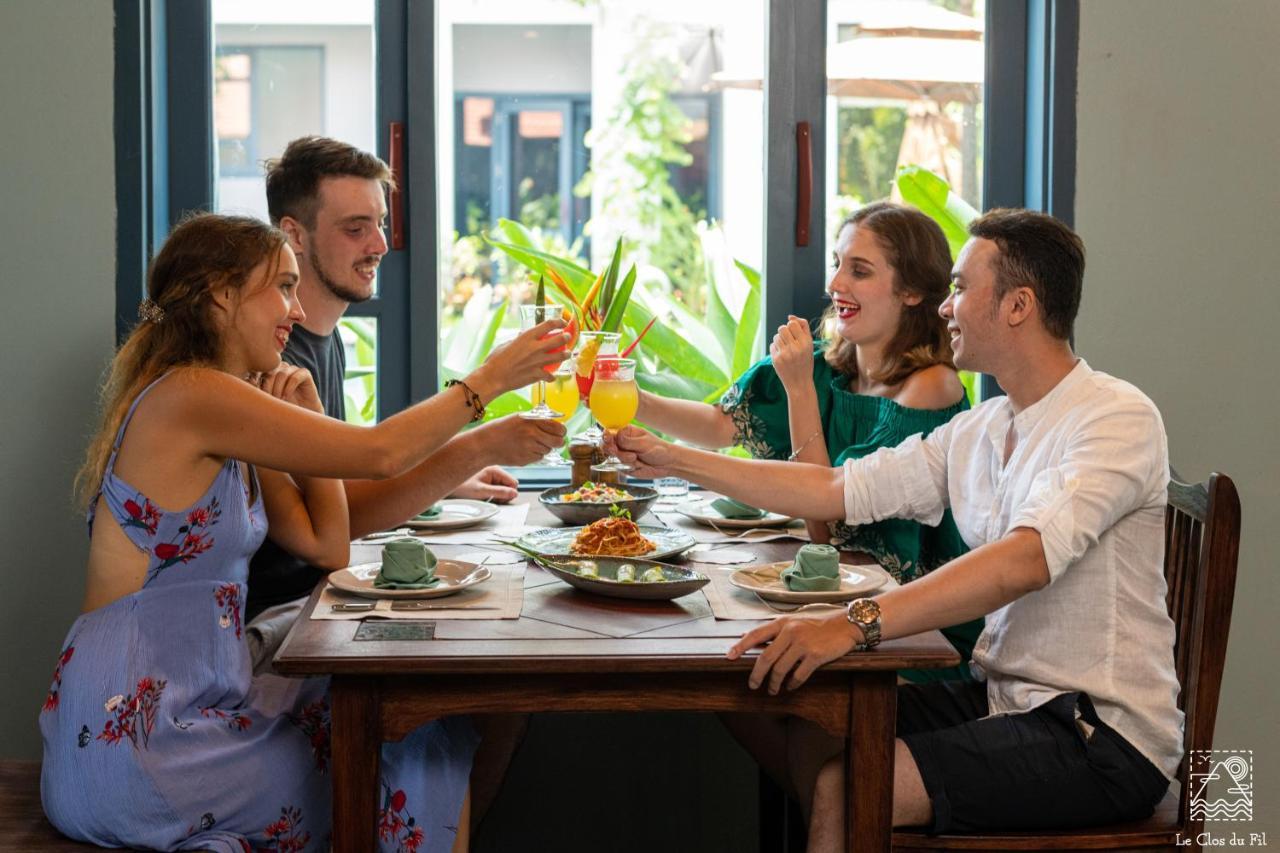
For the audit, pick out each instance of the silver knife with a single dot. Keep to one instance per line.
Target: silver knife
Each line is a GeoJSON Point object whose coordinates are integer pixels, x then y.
{"type": "Point", "coordinates": [423, 605]}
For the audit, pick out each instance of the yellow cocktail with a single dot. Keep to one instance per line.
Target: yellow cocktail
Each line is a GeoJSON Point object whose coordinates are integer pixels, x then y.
{"type": "Point", "coordinates": [614, 402]}
{"type": "Point", "coordinates": [562, 394]}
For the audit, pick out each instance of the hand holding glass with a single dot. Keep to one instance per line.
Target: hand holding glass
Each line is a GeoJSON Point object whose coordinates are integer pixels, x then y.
{"type": "Point", "coordinates": [561, 394]}
{"type": "Point", "coordinates": [614, 400]}
{"type": "Point", "coordinates": [530, 316]}
{"type": "Point", "coordinates": [591, 346]}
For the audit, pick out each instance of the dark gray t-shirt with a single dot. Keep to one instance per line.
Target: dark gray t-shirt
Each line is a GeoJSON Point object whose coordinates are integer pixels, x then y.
{"type": "Point", "coordinates": [276, 576]}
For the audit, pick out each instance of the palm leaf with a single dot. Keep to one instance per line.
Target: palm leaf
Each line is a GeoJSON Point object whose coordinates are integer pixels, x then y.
{"type": "Point", "coordinates": [934, 197]}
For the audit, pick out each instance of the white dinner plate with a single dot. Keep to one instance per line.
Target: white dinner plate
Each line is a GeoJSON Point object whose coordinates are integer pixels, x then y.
{"type": "Point", "coordinates": [455, 576]}
{"type": "Point", "coordinates": [701, 511]}
{"type": "Point", "coordinates": [455, 514]}
{"type": "Point", "coordinates": [766, 582]}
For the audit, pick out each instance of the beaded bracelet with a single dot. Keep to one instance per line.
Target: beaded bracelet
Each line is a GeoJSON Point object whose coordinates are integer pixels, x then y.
{"type": "Point", "coordinates": [473, 399]}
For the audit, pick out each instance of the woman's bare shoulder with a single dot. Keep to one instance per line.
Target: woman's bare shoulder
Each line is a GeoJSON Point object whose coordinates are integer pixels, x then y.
{"type": "Point", "coordinates": [934, 387]}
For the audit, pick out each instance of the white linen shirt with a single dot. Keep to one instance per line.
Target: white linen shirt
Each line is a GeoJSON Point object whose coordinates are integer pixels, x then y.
{"type": "Point", "coordinates": [1090, 473]}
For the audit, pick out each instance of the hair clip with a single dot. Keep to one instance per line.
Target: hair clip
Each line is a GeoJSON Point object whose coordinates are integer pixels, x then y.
{"type": "Point", "coordinates": [150, 312]}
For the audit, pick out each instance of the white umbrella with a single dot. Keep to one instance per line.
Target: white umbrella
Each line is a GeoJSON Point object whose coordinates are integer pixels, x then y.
{"type": "Point", "coordinates": [898, 68]}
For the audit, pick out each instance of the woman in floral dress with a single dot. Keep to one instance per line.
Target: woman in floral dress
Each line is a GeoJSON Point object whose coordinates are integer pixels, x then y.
{"type": "Point", "coordinates": [882, 373]}
{"type": "Point", "coordinates": [156, 733]}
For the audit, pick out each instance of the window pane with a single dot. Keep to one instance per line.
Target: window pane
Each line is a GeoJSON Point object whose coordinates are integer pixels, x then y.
{"type": "Point", "coordinates": [360, 387]}
{"type": "Point", "coordinates": [603, 120]}
{"type": "Point", "coordinates": [285, 69]}
{"type": "Point", "coordinates": [905, 85]}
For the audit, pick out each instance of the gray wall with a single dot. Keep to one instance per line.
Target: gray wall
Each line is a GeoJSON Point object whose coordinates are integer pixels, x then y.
{"type": "Point", "coordinates": [1177, 196]}
{"type": "Point", "coordinates": [57, 239]}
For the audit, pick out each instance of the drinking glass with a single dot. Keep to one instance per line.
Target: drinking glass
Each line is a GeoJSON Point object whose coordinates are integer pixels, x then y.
{"type": "Point", "coordinates": [530, 316]}
{"type": "Point", "coordinates": [561, 394]}
{"type": "Point", "coordinates": [671, 489]}
{"type": "Point", "coordinates": [592, 345]}
{"type": "Point", "coordinates": [614, 400]}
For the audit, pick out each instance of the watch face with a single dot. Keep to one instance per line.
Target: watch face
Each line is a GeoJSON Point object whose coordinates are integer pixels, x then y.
{"type": "Point", "coordinates": [864, 610]}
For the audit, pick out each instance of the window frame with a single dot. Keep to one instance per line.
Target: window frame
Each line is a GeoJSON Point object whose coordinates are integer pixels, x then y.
{"type": "Point", "coordinates": [165, 148]}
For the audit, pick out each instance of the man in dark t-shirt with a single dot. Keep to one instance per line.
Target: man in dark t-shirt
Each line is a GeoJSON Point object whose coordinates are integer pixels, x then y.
{"type": "Point", "coordinates": [328, 199]}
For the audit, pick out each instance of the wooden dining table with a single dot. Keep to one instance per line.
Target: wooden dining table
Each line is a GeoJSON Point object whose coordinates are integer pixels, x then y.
{"type": "Point", "coordinates": [572, 651]}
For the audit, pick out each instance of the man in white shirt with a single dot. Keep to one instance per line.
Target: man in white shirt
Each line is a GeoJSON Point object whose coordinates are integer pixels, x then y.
{"type": "Point", "coordinates": [1059, 490]}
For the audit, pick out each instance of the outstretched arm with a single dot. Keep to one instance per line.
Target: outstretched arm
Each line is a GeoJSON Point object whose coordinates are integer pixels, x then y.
{"type": "Point", "coordinates": [980, 582]}
{"type": "Point", "coordinates": [229, 418]}
{"type": "Point", "coordinates": [698, 423]}
{"type": "Point", "coordinates": [791, 488]}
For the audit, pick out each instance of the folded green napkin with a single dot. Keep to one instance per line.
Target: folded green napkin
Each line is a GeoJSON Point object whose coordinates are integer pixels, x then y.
{"type": "Point", "coordinates": [406, 564]}
{"type": "Point", "coordinates": [429, 513]}
{"type": "Point", "coordinates": [730, 508]}
{"type": "Point", "coordinates": [816, 569]}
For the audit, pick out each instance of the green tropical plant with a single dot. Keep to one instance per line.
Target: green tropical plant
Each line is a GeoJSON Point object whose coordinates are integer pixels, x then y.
{"type": "Point", "coordinates": [361, 396]}
{"type": "Point", "coordinates": [633, 152]}
{"type": "Point", "coordinates": [683, 354]}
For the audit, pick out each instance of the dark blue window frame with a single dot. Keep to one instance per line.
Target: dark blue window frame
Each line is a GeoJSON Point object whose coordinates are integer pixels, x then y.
{"type": "Point", "coordinates": [165, 147]}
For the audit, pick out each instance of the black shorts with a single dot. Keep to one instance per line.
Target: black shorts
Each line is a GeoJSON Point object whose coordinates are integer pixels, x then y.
{"type": "Point", "coordinates": [1034, 770]}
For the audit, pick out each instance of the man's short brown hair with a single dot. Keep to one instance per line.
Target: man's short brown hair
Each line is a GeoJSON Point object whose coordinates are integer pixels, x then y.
{"type": "Point", "coordinates": [1040, 252]}
{"type": "Point", "coordinates": [293, 180]}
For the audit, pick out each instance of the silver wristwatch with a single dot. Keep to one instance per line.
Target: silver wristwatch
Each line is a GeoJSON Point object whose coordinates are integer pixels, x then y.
{"type": "Point", "coordinates": [865, 613]}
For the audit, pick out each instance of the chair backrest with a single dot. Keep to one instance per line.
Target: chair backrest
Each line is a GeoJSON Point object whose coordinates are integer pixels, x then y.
{"type": "Point", "coordinates": [1202, 545]}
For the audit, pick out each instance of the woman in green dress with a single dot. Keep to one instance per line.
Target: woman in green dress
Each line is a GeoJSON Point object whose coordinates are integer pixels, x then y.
{"type": "Point", "coordinates": [881, 373]}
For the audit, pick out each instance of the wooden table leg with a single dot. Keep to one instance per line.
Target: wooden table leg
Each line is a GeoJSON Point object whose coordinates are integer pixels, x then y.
{"type": "Point", "coordinates": [869, 810]}
{"type": "Point", "coordinates": [357, 742]}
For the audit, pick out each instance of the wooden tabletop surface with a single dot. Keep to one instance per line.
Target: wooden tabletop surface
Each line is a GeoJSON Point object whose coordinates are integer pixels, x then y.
{"type": "Point", "coordinates": [564, 630]}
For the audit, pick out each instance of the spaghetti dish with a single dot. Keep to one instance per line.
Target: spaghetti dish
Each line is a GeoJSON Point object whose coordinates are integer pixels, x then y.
{"type": "Point", "coordinates": [611, 537]}
{"type": "Point", "coordinates": [596, 493]}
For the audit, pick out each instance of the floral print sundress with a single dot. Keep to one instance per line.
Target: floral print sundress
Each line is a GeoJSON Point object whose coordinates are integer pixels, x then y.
{"type": "Point", "coordinates": [157, 735]}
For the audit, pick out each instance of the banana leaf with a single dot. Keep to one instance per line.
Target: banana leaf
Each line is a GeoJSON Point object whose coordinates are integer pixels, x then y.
{"type": "Point", "coordinates": [506, 404]}
{"type": "Point", "coordinates": [516, 233]}
{"type": "Point", "coordinates": [670, 385]}
{"type": "Point", "coordinates": [748, 331]}
{"type": "Point", "coordinates": [618, 307]}
{"type": "Point", "coordinates": [578, 278]}
{"type": "Point", "coordinates": [477, 316]}
{"type": "Point", "coordinates": [688, 326]}
{"type": "Point", "coordinates": [680, 357]}
{"type": "Point", "coordinates": [484, 342]}
{"type": "Point", "coordinates": [934, 197]}
{"type": "Point", "coordinates": [717, 265]}
{"type": "Point", "coordinates": [970, 382]}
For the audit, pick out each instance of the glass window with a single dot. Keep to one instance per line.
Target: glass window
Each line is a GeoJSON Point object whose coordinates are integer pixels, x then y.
{"type": "Point", "coordinates": [603, 120]}
{"type": "Point", "coordinates": [282, 70]}
{"type": "Point", "coordinates": [905, 83]}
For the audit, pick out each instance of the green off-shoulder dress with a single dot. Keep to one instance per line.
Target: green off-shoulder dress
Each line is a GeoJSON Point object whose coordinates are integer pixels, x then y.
{"type": "Point", "coordinates": [855, 425]}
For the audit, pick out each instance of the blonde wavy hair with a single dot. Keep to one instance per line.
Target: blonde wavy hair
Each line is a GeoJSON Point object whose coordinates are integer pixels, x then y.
{"type": "Point", "coordinates": [178, 326]}
{"type": "Point", "coordinates": [917, 251]}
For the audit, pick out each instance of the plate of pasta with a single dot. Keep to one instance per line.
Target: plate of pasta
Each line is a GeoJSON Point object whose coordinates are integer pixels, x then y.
{"type": "Point", "coordinates": [609, 537]}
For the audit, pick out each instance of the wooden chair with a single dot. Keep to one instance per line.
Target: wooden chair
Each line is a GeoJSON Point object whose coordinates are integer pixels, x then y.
{"type": "Point", "coordinates": [23, 827]}
{"type": "Point", "coordinates": [1202, 543]}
